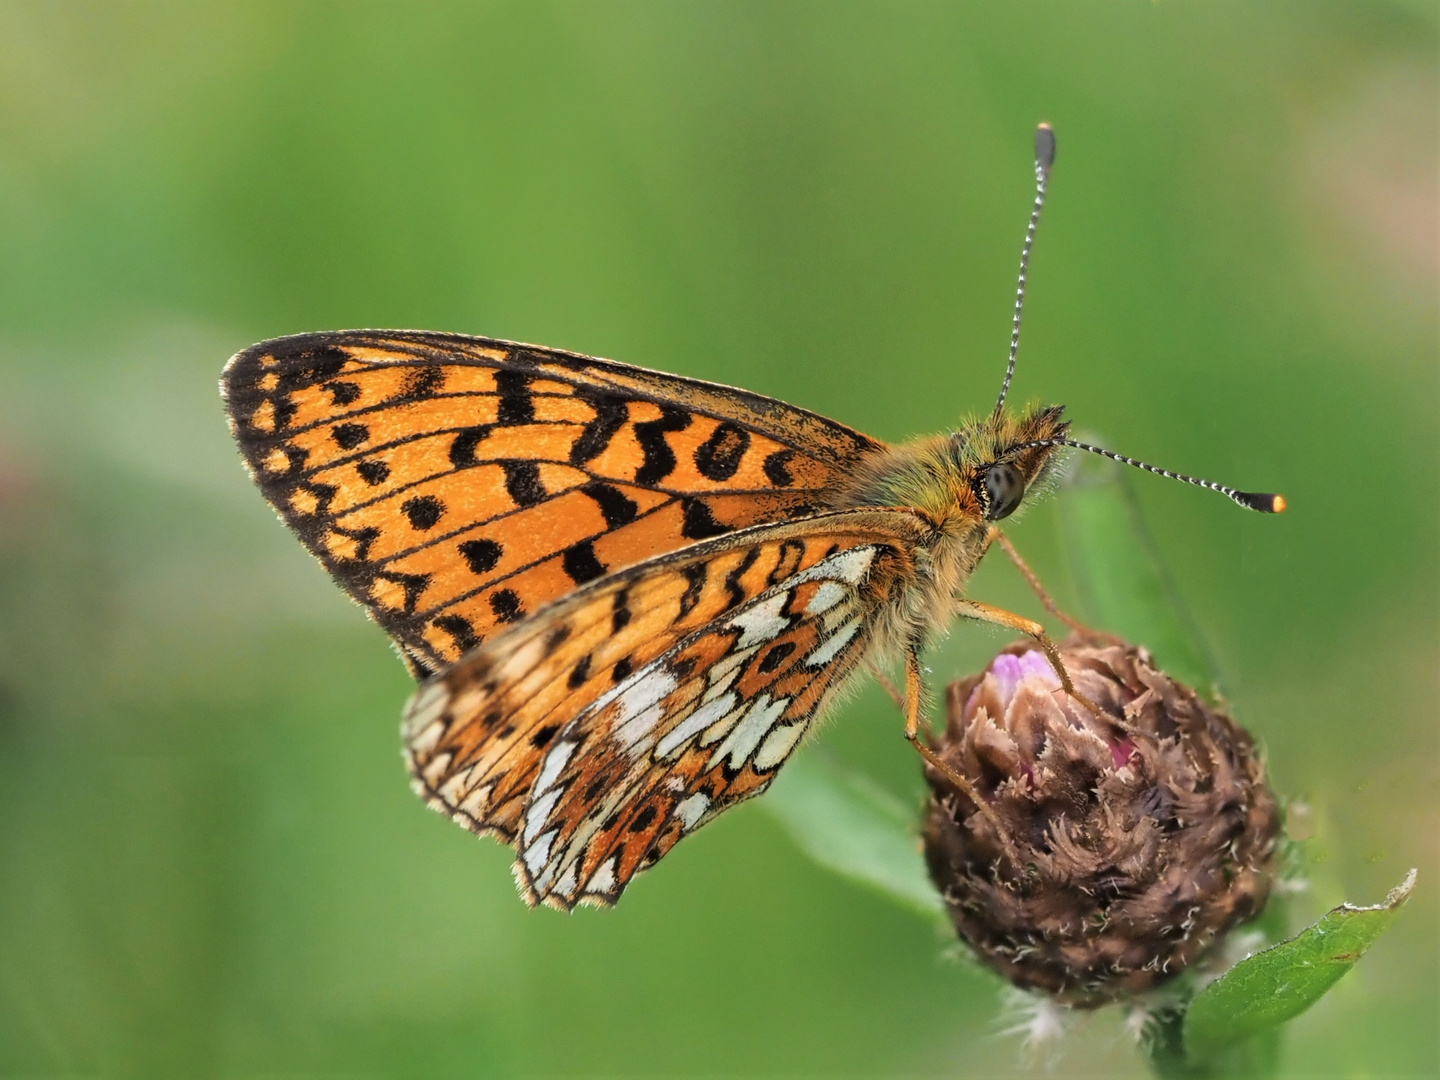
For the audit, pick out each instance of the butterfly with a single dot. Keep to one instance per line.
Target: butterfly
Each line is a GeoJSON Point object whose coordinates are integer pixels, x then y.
{"type": "Point", "coordinates": [627, 596]}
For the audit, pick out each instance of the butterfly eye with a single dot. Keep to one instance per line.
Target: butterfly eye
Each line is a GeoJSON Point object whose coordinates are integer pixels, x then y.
{"type": "Point", "coordinates": [1005, 487]}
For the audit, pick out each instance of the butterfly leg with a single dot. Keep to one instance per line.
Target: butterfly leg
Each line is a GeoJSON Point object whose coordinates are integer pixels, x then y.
{"type": "Point", "coordinates": [995, 535]}
{"type": "Point", "coordinates": [914, 690]}
{"type": "Point", "coordinates": [973, 609]}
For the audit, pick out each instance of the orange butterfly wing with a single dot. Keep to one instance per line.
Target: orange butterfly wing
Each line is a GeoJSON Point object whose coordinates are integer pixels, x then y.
{"type": "Point", "coordinates": [604, 728]}
{"type": "Point", "coordinates": [454, 485]}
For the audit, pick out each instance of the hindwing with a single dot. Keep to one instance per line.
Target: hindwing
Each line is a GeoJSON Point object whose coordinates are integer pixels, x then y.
{"type": "Point", "coordinates": [454, 485]}
{"type": "Point", "coordinates": [601, 730]}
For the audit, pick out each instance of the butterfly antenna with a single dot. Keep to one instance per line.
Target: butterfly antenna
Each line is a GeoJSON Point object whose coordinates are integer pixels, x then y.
{"type": "Point", "coordinates": [1044, 159]}
{"type": "Point", "coordinates": [1251, 500]}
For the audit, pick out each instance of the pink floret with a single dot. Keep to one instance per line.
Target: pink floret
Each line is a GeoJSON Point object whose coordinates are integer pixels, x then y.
{"type": "Point", "coordinates": [1036, 665]}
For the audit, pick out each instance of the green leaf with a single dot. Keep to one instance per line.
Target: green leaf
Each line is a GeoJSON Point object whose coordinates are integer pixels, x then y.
{"type": "Point", "coordinates": [1124, 586]}
{"type": "Point", "coordinates": [1273, 986]}
{"type": "Point", "coordinates": [845, 821]}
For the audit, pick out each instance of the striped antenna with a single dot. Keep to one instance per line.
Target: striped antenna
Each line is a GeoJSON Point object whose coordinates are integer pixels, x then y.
{"type": "Point", "coordinates": [1044, 159]}
{"type": "Point", "coordinates": [1250, 500]}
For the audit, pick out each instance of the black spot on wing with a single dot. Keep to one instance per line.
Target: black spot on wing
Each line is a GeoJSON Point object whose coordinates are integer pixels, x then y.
{"type": "Point", "coordinates": [462, 450]}
{"type": "Point", "coordinates": [295, 458]}
{"type": "Point", "coordinates": [459, 629]}
{"type": "Point", "coordinates": [610, 416]}
{"type": "Point", "coordinates": [643, 819]}
{"type": "Point", "coordinates": [373, 471]}
{"type": "Point", "coordinates": [581, 563]}
{"type": "Point", "coordinates": [615, 506]}
{"type": "Point", "coordinates": [420, 383]}
{"type": "Point", "coordinates": [481, 555]}
{"type": "Point", "coordinates": [718, 457]}
{"type": "Point", "coordinates": [516, 404]}
{"type": "Point", "coordinates": [694, 574]}
{"type": "Point", "coordinates": [349, 436]}
{"type": "Point", "coordinates": [423, 511]}
{"type": "Point", "coordinates": [732, 579]}
{"type": "Point", "coordinates": [284, 411]}
{"type": "Point", "coordinates": [699, 523]}
{"type": "Point", "coordinates": [343, 393]}
{"type": "Point", "coordinates": [542, 737]}
{"type": "Point", "coordinates": [776, 656]}
{"type": "Point", "coordinates": [659, 459]}
{"type": "Point", "coordinates": [522, 481]}
{"type": "Point", "coordinates": [777, 468]}
{"type": "Point", "coordinates": [791, 552]}
{"type": "Point", "coordinates": [579, 673]}
{"type": "Point", "coordinates": [623, 669]}
{"type": "Point", "coordinates": [620, 611]}
{"type": "Point", "coordinates": [505, 603]}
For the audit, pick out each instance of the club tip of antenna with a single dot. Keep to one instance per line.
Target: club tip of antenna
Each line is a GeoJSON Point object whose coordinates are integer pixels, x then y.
{"type": "Point", "coordinates": [1265, 503]}
{"type": "Point", "coordinates": [1045, 146]}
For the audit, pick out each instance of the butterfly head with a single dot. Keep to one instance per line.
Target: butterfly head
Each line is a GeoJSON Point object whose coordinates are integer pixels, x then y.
{"type": "Point", "coordinates": [999, 459]}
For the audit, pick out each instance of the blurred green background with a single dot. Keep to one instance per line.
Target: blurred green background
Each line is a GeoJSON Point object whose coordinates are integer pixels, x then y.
{"type": "Point", "coordinates": [210, 862]}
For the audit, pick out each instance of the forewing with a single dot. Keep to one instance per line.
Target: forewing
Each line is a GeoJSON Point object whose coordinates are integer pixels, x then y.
{"type": "Point", "coordinates": [601, 730]}
{"type": "Point", "coordinates": [454, 485]}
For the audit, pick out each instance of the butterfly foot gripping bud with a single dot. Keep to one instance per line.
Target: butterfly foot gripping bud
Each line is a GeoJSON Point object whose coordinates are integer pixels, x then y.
{"type": "Point", "coordinates": [1140, 842]}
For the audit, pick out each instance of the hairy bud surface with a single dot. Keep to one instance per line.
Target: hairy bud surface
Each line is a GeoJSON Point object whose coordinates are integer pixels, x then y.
{"type": "Point", "coordinates": [1130, 843]}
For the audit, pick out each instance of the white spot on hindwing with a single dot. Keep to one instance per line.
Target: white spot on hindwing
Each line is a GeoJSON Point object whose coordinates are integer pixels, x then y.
{"type": "Point", "coordinates": [538, 852]}
{"type": "Point", "coordinates": [475, 802]}
{"type": "Point", "coordinates": [725, 670]}
{"type": "Point", "coordinates": [828, 649]}
{"type": "Point", "coordinates": [436, 767]}
{"type": "Point", "coordinates": [544, 794]}
{"type": "Point", "coordinates": [764, 620]}
{"type": "Point", "coordinates": [642, 705]}
{"type": "Point", "coordinates": [692, 809]}
{"type": "Point", "coordinates": [537, 813]}
{"type": "Point", "coordinates": [746, 735]}
{"type": "Point", "coordinates": [603, 880]}
{"type": "Point", "coordinates": [826, 596]}
{"type": "Point", "coordinates": [566, 885]}
{"type": "Point", "coordinates": [452, 791]}
{"type": "Point", "coordinates": [847, 566]}
{"type": "Point", "coordinates": [675, 739]}
{"type": "Point", "coordinates": [428, 739]}
{"type": "Point", "coordinates": [778, 744]}
{"type": "Point", "coordinates": [555, 762]}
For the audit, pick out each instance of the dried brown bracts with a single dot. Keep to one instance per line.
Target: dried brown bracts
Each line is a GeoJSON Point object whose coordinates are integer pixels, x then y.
{"type": "Point", "coordinates": [1110, 852]}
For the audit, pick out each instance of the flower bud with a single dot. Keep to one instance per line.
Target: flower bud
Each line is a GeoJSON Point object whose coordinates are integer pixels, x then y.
{"type": "Point", "coordinates": [1110, 852]}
